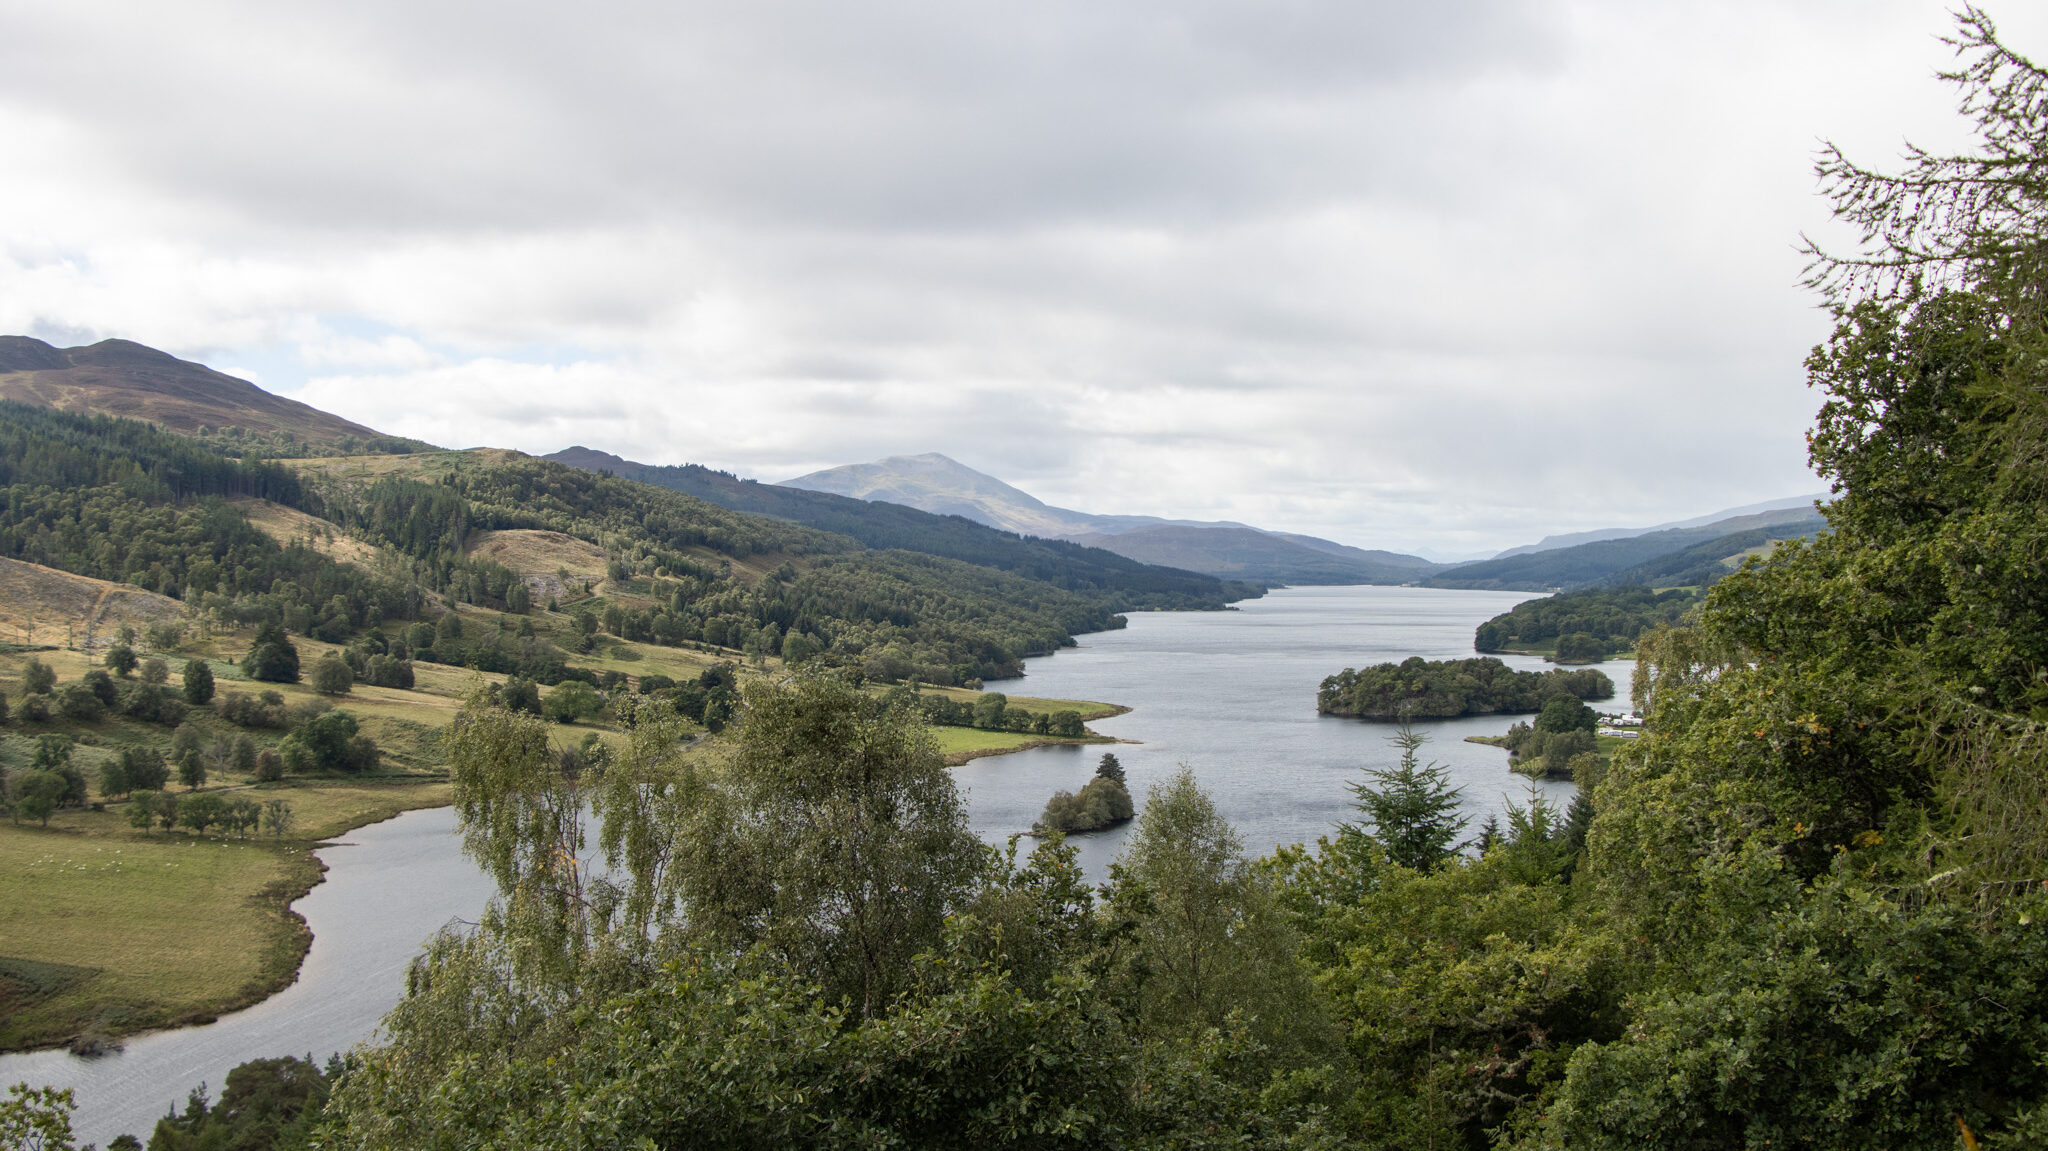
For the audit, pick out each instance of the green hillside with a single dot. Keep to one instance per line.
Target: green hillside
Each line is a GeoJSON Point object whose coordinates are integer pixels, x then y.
{"type": "Point", "coordinates": [1584, 626]}
{"type": "Point", "coordinates": [1122, 584]}
{"type": "Point", "coordinates": [1604, 561]}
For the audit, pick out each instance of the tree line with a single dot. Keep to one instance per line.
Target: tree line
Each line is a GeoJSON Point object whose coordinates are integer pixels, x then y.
{"type": "Point", "coordinates": [1585, 626]}
{"type": "Point", "coordinates": [1417, 688]}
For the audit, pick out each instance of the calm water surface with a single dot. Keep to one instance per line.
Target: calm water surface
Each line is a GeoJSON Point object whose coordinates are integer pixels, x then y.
{"type": "Point", "coordinates": [1231, 694]}
{"type": "Point", "coordinates": [389, 887]}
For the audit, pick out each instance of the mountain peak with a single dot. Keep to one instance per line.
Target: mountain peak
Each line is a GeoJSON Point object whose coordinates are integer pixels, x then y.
{"type": "Point", "coordinates": [28, 354]}
{"type": "Point", "coordinates": [936, 483]}
{"type": "Point", "coordinates": [135, 381]}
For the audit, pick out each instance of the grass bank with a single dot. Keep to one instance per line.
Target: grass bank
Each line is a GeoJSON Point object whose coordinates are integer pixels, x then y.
{"type": "Point", "coordinates": [960, 744]}
{"type": "Point", "coordinates": [110, 931]}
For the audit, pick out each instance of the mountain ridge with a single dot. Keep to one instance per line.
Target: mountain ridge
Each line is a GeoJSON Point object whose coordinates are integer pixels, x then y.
{"type": "Point", "coordinates": [1790, 504]}
{"type": "Point", "coordinates": [131, 380]}
{"type": "Point", "coordinates": [884, 524]}
{"type": "Point", "coordinates": [1225, 549]}
{"type": "Point", "coordinates": [1602, 562]}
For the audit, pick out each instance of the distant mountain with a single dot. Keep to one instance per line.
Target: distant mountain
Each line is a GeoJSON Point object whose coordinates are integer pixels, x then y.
{"type": "Point", "coordinates": [1250, 554]}
{"type": "Point", "coordinates": [943, 486]}
{"type": "Point", "coordinates": [1228, 550]}
{"type": "Point", "coordinates": [1127, 583]}
{"type": "Point", "coordinates": [1701, 563]}
{"type": "Point", "coordinates": [123, 378]}
{"type": "Point", "coordinates": [1792, 509]}
{"type": "Point", "coordinates": [1644, 558]}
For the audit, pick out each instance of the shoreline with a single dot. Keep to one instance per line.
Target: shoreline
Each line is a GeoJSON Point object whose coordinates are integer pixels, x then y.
{"type": "Point", "coordinates": [280, 960]}
{"type": "Point", "coordinates": [957, 758]}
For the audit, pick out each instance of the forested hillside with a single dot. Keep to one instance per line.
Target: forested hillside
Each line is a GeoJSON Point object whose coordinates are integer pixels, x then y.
{"type": "Point", "coordinates": [1637, 559]}
{"type": "Point", "coordinates": [1122, 584]}
{"type": "Point", "coordinates": [124, 501]}
{"type": "Point", "coordinates": [673, 556]}
{"type": "Point", "coordinates": [1584, 626]}
{"type": "Point", "coordinates": [121, 500]}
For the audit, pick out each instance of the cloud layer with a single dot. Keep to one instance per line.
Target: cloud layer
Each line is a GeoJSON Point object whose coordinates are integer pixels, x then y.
{"type": "Point", "coordinates": [1443, 277]}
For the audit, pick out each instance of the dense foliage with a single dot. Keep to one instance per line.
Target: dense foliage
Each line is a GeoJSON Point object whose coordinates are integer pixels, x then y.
{"type": "Point", "coordinates": [1104, 801]}
{"type": "Point", "coordinates": [47, 448]}
{"type": "Point", "coordinates": [1417, 688]}
{"type": "Point", "coordinates": [803, 943]}
{"type": "Point", "coordinates": [1584, 626]}
{"type": "Point", "coordinates": [896, 614]}
{"type": "Point", "coordinates": [265, 1103]}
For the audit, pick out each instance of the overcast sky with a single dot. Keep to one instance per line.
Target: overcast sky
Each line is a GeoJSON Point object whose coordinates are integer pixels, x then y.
{"type": "Point", "coordinates": [1437, 277]}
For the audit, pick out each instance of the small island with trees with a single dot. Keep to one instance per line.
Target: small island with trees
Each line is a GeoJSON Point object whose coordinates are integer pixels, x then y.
{"type": "Point", "coordinates": [1418, 688]}
{"type": "Point", "coordinates": [1561, 744]}
{"type": "Point", "coordinates": [1104, 802]}
{"type": "Point", "coordinates": [1584, 626]}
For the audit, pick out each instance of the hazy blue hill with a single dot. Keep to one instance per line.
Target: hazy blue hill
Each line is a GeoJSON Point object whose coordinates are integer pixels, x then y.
{"type": "Point", "coordinates": [1787, 510]}
{"type": "Point", "coordinates": [1604, 561]}
{"type": "Point", "coordinates": [944, 486]}
{"type": "Point", "coordinates": [1250, 554]}
{"type": "Point", "coordinates": [1126, 583]}
{"type": "Point", "coordinates": [934, 483]}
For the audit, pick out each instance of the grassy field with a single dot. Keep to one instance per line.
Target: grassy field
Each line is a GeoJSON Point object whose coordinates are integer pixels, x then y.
{"type": "Point", "coordinates": [40, 605]}
{"type": "Point", "coordinates": [1089, 709]}
{"type": "Point", "coordinates": [960, 744]}
{"type": "Point", "coordinates": [106, 930]}
{"type": "Point", "coordinates": [142, 931]}
{"type": "Point", "coordinates": [284, 524]}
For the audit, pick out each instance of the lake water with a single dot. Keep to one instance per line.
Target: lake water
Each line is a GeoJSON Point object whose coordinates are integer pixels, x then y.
{"type": "Point", "coordinates": [1231, 694]}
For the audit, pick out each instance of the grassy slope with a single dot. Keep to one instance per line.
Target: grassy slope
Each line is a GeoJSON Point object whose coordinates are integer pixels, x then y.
{"type": "Point", "coordinates": [40, 605]}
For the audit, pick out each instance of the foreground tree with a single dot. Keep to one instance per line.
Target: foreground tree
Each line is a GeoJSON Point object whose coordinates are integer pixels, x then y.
{"type": "Point", "coordinates": [36, 1119]}
{"type": "Point", "coordinates": [1411, 810]}
{"type": "Point", "coordinates": [331, 675]}
{"type": "Point", "coordinates": [1212, 943]}
{"type": "Point", "coordinates": [799, 944]}
{"type": "Point", "coordinates": [1831, 834]}
{"type": "Point", "coordinates": [837, 841]}
{"type": "Point", "coordinates": [272, 658]}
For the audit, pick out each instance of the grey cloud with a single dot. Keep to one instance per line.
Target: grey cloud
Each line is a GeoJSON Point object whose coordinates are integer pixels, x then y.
{"type": "Point", "coordinates": [918, 116]}
{"type": "Point", "coordinates": [1388, 272]}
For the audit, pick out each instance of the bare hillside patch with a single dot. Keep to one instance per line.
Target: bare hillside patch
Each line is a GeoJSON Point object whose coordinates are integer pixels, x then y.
{"type": "Point", "coordinates": [40, 605]}
{"type": "Point", "coordinates": [553, 564]}
{"type": "Point", "coordinates": [284, 524]}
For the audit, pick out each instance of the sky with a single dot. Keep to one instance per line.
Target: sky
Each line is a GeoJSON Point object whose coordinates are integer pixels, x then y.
{"type": "Point", "coordinates": [1442, 278]}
